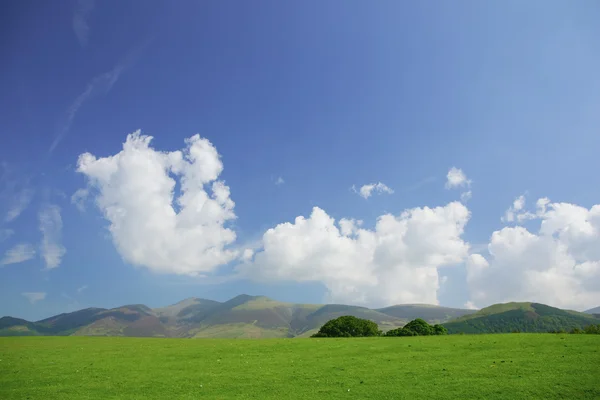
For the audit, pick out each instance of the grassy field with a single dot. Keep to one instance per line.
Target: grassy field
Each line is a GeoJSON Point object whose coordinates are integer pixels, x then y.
{"type": "Point", "coordinates": [509, 366]}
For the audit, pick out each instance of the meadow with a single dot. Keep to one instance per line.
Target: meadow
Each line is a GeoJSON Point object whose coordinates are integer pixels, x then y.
{"type": "Point", "coordinates": [499, 366]}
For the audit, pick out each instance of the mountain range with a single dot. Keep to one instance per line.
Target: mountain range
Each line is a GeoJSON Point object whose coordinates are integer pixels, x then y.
{"type": "Point", "coordinates": [247, 316]}
{"type": "Point", "coordinates": [243, 316]}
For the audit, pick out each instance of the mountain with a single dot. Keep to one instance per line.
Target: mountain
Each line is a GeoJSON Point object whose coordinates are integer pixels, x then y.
{"type": "Point", "coordinates": [243, 316]}
{"type": "Point", "coordinates": [431, 314]}
{"type": "Point", "coordinates": [521, 317]}
{"type": "Point", "coordinates": [593, 311]}
{"type": "Point", "coordinates": [247, 316]}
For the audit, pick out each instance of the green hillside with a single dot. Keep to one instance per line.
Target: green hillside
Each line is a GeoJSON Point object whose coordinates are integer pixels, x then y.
{"type": "Point", "coordinates": [520, 317]}
{"type": "Point", "coordinates": [430, 313]}
{"type": "Point", "coordinates": [593, 311]}
{"type": "Point", "coordinates": [10, 326]}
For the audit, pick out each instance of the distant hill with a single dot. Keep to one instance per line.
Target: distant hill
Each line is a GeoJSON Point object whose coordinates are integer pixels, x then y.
{"type": "Point", "coordinates": [431, 314]}
{"type": "Point", "coordinates": [522, 317]}
{"type": "Point", "coordinates": [593, 311]}
{"type": "Point", "coordinates": [243, 316]}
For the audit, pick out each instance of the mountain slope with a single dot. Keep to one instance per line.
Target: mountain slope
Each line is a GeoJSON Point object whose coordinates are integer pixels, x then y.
{"type": "Point", "coordinates": [593, 311]}
{"type": "Point", "coordinates": [10, 326]}
{"type": "Point", "coordinates": [247, 316]}
{"type": "Point", "coordinates": [243, 316]}
{"type": "Point", "coordinates": [185, 308]}
{"type": "Point", "coordinates": [430, 313]}
{"type": "Point", "coordinates": [521, 317]}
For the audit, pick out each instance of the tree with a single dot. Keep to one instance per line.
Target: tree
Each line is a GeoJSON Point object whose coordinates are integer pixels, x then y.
{"type": "Point", "coordinates": [348, 326]}
{"type": "Point", "coordinates": [439, 330]}
{"type": "Point", "coordinates": [400, 332]}
{"type": "Point", "coordinates": [418, 327]}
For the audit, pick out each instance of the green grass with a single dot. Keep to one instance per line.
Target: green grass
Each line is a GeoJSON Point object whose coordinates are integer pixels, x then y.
{"type": "Point", "coordinates": [510, 366]}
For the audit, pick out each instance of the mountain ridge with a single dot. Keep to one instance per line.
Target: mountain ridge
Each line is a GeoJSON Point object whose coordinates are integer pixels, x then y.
{"type": "Point", "coordinates": [520, 317]}
{"type": "Point", "coordinates": [241, 316]}
{"type": "Point", "coordinates": [246, 316]}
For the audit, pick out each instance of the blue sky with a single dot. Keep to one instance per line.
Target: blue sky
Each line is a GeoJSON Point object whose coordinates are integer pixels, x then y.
{"type": "Point", "coordinates": [324, 95]}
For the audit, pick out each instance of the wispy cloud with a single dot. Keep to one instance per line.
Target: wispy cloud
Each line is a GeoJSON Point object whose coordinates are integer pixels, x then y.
{"type": "Point", "coordinates": [15, 192]}
{"type": "Point", "coordinates": [51, 227]}
{"type": "Point", "coordinates": [82, 288]}
{"type": "Point", "coordinates": [5, 234]}
{"type": "Point", "coordinates": [100, 85]}
{"type": "Point", "coordinates": [279, 181]}
{"type": "Point", "coordinates": [34, 297]}
{"type": "Point", "coordinates": [19, 203]}
{"type": "Point", "coordinates": [19, 253]}
{"type": "Point", "coordinates": [367, 190]}
{"type": "Point", "coordinates": [78, 198]}
{"type": "Point", "coordinates": [83, 10]}
{"type": "Point", "coordinates": [466, 196]}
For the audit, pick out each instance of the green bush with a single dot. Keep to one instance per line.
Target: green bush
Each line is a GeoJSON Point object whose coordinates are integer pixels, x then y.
{"type": "Point", "coordinates": [439, 330]}
{"type": "Point", "coordinates": [348, 326]}
{"type": "Point", "coordinates": [418, 327]}
{"type": "Point", "coordinates": [400, 332]}
{"type": "Point", "coordinates": [592, 329]}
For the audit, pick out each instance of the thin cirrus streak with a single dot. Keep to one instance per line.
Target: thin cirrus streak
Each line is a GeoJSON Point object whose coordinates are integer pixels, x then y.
{"type": "Point", "coordinates": [99, 85]}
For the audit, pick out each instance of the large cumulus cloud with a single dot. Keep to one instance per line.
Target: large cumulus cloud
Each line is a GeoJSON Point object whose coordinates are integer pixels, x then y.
{"type": "Point", "coordinates": [152, 222]}
{"type": "Point", "coordinates": [558, 263]}
{"type": "Point", "coordinates": [395, 262]}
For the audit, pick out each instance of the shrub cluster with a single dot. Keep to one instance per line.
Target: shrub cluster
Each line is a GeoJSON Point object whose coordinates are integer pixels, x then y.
{"type": "Point", "coordinates": [590, 329]}
{"type": "Point", "coordinates": [349, 326]}
{"type": "Point", "coordinates": [418, 327]}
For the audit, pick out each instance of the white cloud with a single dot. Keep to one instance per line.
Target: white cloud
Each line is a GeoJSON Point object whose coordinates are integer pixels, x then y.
{"type": "Point", "coordinates": [396, 262]}
{"type": "Point", "coordinates": [82, 288]}
{"type": "Point", "coordinates": [34, 297]}
{"type": "Point", "coordinates": [20, 201]}
{"type": "Point", "coordinates": [5, 234]}
{"type": "Point", "coordinates": [81, 28]}
{"type": "Point", "coordinates": [134, 189]}
{"type": "Point", "coordinates": [559, 265]}
{"type": "Point", "coordinates": [516, 212]}
{"type": "Point", "coordinates": [79, 197]}
{"type": "Point", "coordinates": [470, 306]}
{"type": "Point", "coordinates": [15, 192]}
{"type": "Point", "coordinates": [456, 178]}
{"type": "Point", "coordinates": [367, 190]}
{"type": "Point", "coordinates": [247, 254]}
{"type": "Point", "coordinates": [279, 181]}
{"type": "Point", "coordinates": [19, 253]}
{"type": "Point", "coordinates": [466, 196]}
{"type": "Point", "coordinates": [51, 227]}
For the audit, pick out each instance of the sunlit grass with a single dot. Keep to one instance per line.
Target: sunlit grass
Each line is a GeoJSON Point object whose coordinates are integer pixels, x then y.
{"type": "Point", "coordinates": [510, 366]}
